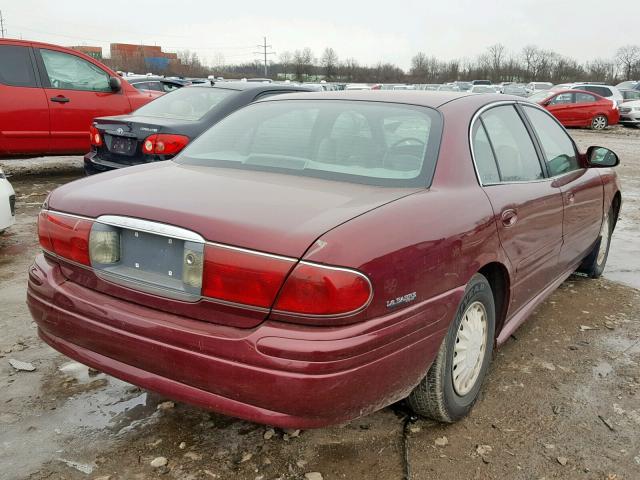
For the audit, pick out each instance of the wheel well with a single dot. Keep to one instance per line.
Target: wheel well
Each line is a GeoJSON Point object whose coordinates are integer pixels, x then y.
{"type": "Point", "coordinates": [615, 204]}
{"type": "Point", "coordinates": [498, 277]}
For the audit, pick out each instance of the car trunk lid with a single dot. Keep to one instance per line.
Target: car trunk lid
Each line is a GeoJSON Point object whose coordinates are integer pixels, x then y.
{"type": "Point", "coordinates": [271, 213]}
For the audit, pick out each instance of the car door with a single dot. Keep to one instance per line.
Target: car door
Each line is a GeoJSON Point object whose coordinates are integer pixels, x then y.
{"type": "Point", "coordinates": [24, 110]}
{"type": "Point", "coordinates": [582, 188]}
{"type": "Point", "coordinates": [77, 91]}
{"type": "Point", "coordinates": [527, 205]}
{"type": "Point", "coordinates": [586, 108]}
{"type": "Point", "coordinates": [561, 106]}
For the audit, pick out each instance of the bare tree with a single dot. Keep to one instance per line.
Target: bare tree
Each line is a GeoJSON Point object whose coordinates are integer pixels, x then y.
{"type": "Point", "coordinates": [629, 59]}
{"type": "Point", "coordinates": [419, 66]}
{"type": "Point", "coordinates": [496, 54]}
{"type": "Point", "coordinates": [329, 62]}
{"type": "Point", "coordinates": [286, 58]}
{"type": "Point", "coordinates": [303, 61]}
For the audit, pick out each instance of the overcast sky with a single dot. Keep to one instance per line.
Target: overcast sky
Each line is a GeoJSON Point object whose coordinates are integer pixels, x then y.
{"type": "Point", "coordinates": [370, 31]}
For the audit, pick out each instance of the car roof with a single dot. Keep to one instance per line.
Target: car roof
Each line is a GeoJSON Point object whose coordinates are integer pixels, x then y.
{"type": "Point", "coordinates": [253, 86]}
{"type": "Point", "coordinates": [432, 99]}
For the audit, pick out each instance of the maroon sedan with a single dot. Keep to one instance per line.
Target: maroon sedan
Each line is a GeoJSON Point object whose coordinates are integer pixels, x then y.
{"type": "Point", "coordinates": [315, 257]}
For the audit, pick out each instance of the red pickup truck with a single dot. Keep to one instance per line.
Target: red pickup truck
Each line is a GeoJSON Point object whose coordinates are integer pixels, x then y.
{"type": "Point", "coordinates": [49, 95]}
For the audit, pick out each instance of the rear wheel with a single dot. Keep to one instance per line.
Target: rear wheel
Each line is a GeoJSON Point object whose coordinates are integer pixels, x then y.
{"type": "Point", "coordinates": [593, 265]}
{"type": "Point", "coordinates": [453, 382]}
{"type": "Point", "coordinates": [599, 122]}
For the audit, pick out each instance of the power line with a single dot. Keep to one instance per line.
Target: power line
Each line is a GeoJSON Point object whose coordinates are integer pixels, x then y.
{"type": "Point", "coordinates": [264, 47]}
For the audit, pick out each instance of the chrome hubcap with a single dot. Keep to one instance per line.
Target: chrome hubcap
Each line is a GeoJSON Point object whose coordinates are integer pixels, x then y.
{"type": "Point", "coordinates": [604, 240]}
{"type": "Point", "coordinates": [599, 123]}
{"type": "Point", "coordinates": [470, 346]}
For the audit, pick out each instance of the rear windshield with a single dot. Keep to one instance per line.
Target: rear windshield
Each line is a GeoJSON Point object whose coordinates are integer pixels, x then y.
{"type": "Point", "coordinates": [188, 103]}
{"type": "Point", "coordinates": [376, 143]}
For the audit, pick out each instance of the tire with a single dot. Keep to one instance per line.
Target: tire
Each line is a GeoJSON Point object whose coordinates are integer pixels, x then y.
{"type": "Point", "coordinates": [599, 122]}
{"type": "Point", "coordinates": [594, 263]}
{"type": "Point", "coordinates": [441, 395]}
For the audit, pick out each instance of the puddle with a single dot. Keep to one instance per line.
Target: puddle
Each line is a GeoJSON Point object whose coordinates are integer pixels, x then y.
{"type": "Point", "coordinates": [86, 418]}
{"type": "Point", "coordinates": [623, 264]}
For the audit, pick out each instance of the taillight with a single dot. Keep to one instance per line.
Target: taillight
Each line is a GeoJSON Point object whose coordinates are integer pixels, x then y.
{"type": "Point", "coordinates": [240, 276]}
{"type": "Point", "coordinates": [95, 137]}
{"type": "Point", "coordinates": [164, 144]}
{"type": "Point", "coordinates": [65, 235]}
{"type": "Point", "coordinates": [313, 289]}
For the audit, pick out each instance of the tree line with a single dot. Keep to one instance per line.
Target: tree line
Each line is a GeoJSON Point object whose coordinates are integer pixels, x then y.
{"type": "Point", "coordinates": [496, 63]}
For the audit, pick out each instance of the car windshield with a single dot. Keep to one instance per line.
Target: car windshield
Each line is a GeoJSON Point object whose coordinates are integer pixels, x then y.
{"type": "Point", "coordinates": [542, 86]}
{"type": "Point", "coordinates": [188, 103]}
{"type": "Point", "coordinates": [540, 96]}
{"type": "Point", "coordinates": [375, 143]}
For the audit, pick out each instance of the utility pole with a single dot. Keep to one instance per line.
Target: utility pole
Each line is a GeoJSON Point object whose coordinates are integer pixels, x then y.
{"type": "Point", "coordinates": [2, 29]}
{"type": "Point", "coordinates": [264, 52]}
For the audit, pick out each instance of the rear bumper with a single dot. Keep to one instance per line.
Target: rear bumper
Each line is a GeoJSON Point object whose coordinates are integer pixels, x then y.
{"type": "Point", "coordinates": [94, 164]}
{"type": "Point", "coordinates": [279, 374]}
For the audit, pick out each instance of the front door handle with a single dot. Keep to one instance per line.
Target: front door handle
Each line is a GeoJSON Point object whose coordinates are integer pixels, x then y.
{"type": "Point", "coordinates": [60, 99]}
{"type": "Point", "coordinates": [509, 217]}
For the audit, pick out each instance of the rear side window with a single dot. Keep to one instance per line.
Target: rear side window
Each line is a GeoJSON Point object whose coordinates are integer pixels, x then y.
{"type": "Point", "coordinates": [483, 155]}
{"type": "Point", "coordinates": [512, 146]}
{"type": "Point", "coordinates": [70, 72]}
{"type": "Point", "coordinates": [584, 98]}
{"type": "Point", "coordinates": [557, 147]}
{"type": "Point", "coordinates": [602, 91]}
{"type": "Point", "coordinates": [16, 67]}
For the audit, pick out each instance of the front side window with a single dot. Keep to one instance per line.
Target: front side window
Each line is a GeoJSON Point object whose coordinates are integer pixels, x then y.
{"type": "Point", "coordinates": [16, 68]}
{"type": "Point", "coordinates": [70, 72]}
{"type": "Point", "coordinates": [512, 146]}
{"type": "Point", "coordinates": [562, 99]}
{"type": "Point", "coordinates": [364, 142]}
{"type": "Point", "coordinates": [557, 147]}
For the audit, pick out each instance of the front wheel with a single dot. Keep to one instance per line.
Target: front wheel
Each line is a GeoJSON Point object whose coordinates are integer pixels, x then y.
{"type": "Point", "coordinates": [453, 382]}
{"type": "Point", "coordinates": [599, 122]}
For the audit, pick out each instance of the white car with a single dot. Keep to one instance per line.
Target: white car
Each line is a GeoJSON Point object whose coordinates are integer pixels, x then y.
{"type": "Point", "coordinates": [7, 203]}
{"type": "Point", "coordinates": [630, 113]}
{"type": "Point", "coordinates": [535, 87]}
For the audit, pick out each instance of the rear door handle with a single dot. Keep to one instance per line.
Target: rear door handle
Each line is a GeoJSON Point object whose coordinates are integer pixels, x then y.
{"type": "Point", "coordinates": [60, 99]}
{"type": "Point", "coordinates": [509, 217]}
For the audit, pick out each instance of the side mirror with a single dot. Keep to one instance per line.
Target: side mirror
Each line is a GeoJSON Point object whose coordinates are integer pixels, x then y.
{"type": "Point", "coordinates": [115, 84]}
{"type": "Point", "coordinates": [600, 157]}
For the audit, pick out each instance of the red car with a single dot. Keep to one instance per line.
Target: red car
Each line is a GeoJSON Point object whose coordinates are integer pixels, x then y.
{"type": "Point", "coordinates": [314, 257]}
{"type": "Point", "coordinates": [578, 108]}
{"type": "Point", "coordinates": [49, 95]}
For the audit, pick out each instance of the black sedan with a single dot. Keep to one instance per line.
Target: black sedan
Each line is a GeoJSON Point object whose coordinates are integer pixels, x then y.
{"type": "Point", "coordinates": [160, 129]}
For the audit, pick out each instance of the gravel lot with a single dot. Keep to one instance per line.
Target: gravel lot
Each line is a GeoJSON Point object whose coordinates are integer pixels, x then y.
{"type": "Point", "coordinates": [562, 399]}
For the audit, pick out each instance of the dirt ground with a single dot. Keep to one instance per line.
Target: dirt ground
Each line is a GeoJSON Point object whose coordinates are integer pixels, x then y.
{"type": "Point", "coordinates": [562, 399]}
